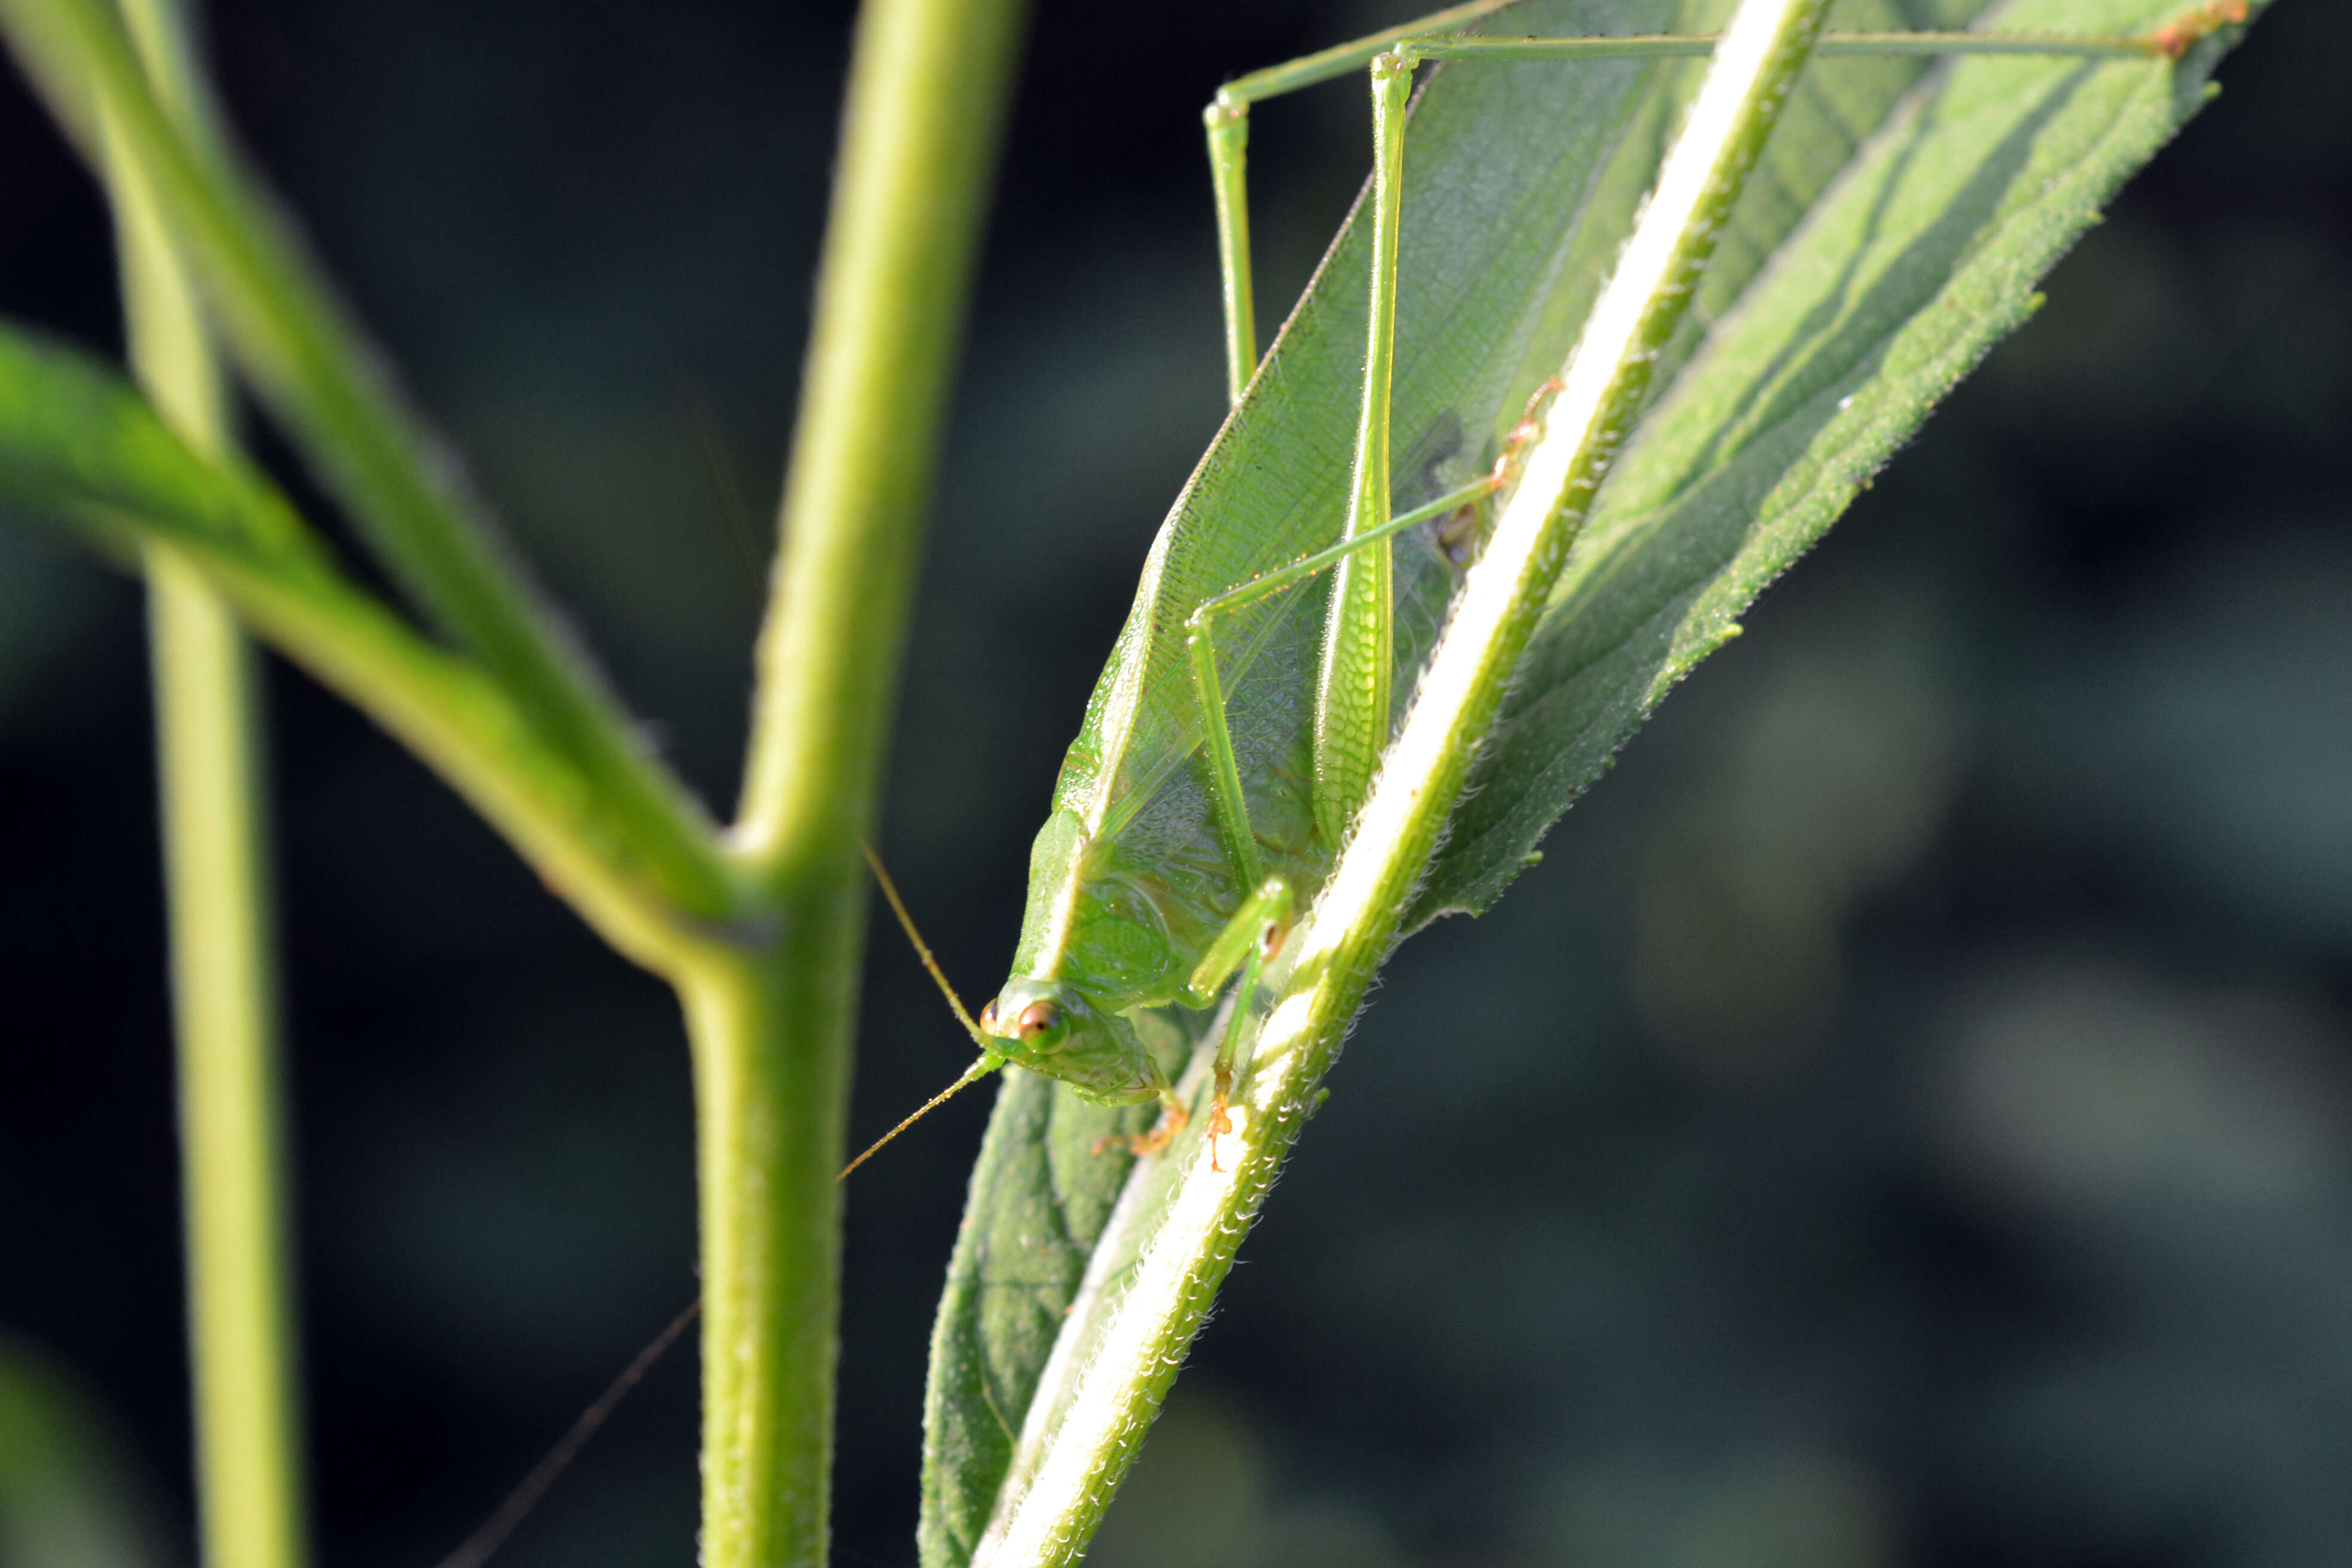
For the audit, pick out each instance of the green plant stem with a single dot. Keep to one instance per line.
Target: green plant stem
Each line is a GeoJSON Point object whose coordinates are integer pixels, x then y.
{"type": "Point", "coordinates": [929, 82]}
{"type": "Point", "coordinates": [920, 134]}
{"type": "Point", "coordinates": [241, 1321]}
{"type": "Point", "coordinates": [768, 1116]}
{"type": "Point", "coordinates": [309, 361]}
{"type": "Point", "coordinates": [209, 752]}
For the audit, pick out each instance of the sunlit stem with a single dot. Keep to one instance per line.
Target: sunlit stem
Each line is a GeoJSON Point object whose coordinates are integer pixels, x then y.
{"type": "Point", "coordinates": [772, 1031]}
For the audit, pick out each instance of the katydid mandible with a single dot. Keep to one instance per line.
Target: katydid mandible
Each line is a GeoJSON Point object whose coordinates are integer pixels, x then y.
{"type": "Point", "coordinates": [1184, 838]}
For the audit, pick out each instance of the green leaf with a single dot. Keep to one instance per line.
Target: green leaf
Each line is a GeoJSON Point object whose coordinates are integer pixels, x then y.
{"type": "Point", "coordinates": [1895, 228]}
{"type": "Point", "coordinates": [1275, 481]}
{"type": "Point", "coordinates": [78, 446]}
{"type": "Point", "coordinates": [1885, 294]}
{"type": "Point", "coordinates": [78, 443]}
{"type": "Point", "coordinates": [303, 353]}
{"type": "Point", "coordinates": [1041, 1199]}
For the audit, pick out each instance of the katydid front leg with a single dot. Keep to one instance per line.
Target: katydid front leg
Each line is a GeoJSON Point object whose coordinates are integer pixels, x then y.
{"type": "Point", "coordinates": [1173, 1118]}
{"type": "Point", "coordinates": [1208, 687]}
{"type": "Point", "coordinates": [1253, 936]}
{"type": "Point", "coordinates": [1250, 939]}
{"type": "Point", "coordinates": [1458, 506]}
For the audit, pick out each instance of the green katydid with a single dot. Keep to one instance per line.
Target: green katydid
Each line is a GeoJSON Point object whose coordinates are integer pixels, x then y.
{"type": "Point", "coordinates": [1894, 225]}
{"type": "Point", "coordinates": [1199, 812]}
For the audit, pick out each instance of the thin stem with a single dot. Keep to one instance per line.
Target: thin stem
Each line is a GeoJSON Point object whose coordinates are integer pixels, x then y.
{"type": "Point", "coordinates": [929, 82]}
{"type": "Point", "coordinates": [1064, 1468]}
{"type": "Point", "coordinates": [209, 753]}
{"type": "Point", "coordinates": [467, 727]}
{"type": "Point", "coordinates": [306, 356]}
{"type": "Point", "coordinates": [920, 134]}
{"type": "Point", "coordinates": [241, 1315]}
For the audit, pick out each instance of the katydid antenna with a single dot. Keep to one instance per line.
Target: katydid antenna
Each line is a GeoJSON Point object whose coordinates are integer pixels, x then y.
{"type": "Point", "coordinates": [491, 1534]}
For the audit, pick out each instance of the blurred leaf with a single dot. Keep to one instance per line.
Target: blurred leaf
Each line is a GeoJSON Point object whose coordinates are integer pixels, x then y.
{"type": "Point", "coordinates": [78, 443]}
{"type": "Point", "coordinates": [67, 1498]}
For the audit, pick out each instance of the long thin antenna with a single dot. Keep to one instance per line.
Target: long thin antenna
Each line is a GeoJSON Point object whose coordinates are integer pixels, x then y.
{"type": "Point", "coordinates": [907, 922]}
{"type": "Point", "coordinates": [988, 1064]}
{"type": "Point", "coordinates": [709, 449]}
{"type": "Point", "coordinates": [493, 1531]}
{"type": "Point", "coordinates": [478, 1547]}
{"type": "Point", "coordinates": [990, 1060]}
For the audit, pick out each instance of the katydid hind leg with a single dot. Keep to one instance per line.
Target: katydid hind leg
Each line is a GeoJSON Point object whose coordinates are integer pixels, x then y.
{"type": "Point", "coordinates": [1228, 127]}
{"type": "Point", "coordinates": [1355, 672]}
{"type": "Point", "coordinates": [1227, 121]}
{"type": "Point", "coordinates": [1430, 37]}
{"type": "Point", "coordinates": [1355, 681]}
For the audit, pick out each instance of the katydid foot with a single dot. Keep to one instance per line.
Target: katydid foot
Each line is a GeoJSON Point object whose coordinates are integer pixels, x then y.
{"type": "Point", "coordinates": [1172, 1120]}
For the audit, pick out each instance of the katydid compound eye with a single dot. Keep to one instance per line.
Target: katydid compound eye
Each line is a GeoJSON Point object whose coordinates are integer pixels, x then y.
{"type": "Point", "coordinates": [1039, 1019]}
{"type": "Point", "coordinates": [988, 1018]}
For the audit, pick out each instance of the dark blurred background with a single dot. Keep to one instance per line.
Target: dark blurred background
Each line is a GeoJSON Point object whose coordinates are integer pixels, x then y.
{"type": "Point", "coordinates": [1907, 1121]}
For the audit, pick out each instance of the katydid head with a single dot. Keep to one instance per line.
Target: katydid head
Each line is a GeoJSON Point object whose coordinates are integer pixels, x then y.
{"type": "Point", "coordinates": [1051, 1029]}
